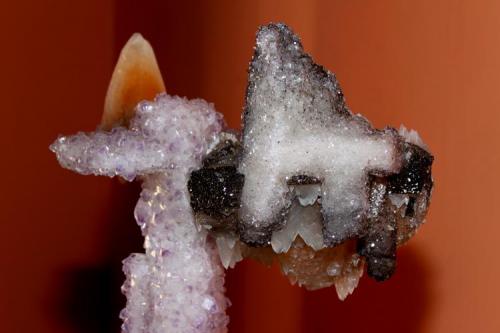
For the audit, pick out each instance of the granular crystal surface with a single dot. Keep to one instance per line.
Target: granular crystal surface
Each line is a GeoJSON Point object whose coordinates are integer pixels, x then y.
{"type": "Point", "coordinates": [166, 140]}
{"type": "Point", "coordinates": [296, 123]}
{"type": "Point", "coordinates": [315, 175]}
{"type": "Point", "coordinates": [308, 184]}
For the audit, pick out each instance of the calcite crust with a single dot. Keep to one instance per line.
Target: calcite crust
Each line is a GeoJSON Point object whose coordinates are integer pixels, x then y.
{"type": "Point", "coordinates": [311, 175]}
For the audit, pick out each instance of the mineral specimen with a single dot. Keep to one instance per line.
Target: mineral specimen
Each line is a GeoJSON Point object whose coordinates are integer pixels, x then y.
{"type": "Point", "coordinates": [316, 176]}
{"type": "Point", "coordinates": [308, 184]}
{"type": "Point", "coordinates": [166, 140]}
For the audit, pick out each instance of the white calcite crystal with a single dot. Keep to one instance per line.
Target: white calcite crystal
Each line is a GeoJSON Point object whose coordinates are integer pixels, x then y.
{"type": "Point", "coordinates": [304, 221]}
{"type": "Point", "coordinates": [296, 123]}
{"type": "Point", "coordinates": [411, 136]}
{"type": "Point", "coordinates": [177, 284]}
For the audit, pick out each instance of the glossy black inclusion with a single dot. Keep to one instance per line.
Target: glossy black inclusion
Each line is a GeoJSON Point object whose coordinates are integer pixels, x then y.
{"type": "Point", "coordinates": [215, 189]}
{"type": "Point", "coordinates": [303, 180]}
{"type": "Point", "coordinates": [415, 172]}
{"type": "Point", "coordinates": [379, 248]}
{"type": "Point", "coordinates": [379, 243]}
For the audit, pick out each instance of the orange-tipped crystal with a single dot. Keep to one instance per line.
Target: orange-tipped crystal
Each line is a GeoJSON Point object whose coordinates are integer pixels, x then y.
{"type": "Point", "coordinates": [136, 77]}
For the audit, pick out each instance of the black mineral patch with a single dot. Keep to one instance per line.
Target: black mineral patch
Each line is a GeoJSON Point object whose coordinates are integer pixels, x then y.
{"type": "Point", "coordinates": [379, 243]}
{"type": "Point", "coordinates": [303, 180]}
{"type": "Point", "coordinates": [256, 236]}
{"type": "Point", "coordinates": [215, 189]}
{"type": "Point", "coordinates": [380, 268]}
{"type": "Point", "coordinates": [415, 172]}
{"type": "Point", "coordinates": [226, 154]}
{"type": "Point", "coordinates": [410, 208]}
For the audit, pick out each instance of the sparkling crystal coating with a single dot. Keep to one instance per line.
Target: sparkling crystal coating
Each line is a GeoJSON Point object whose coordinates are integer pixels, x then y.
{"type": "Point", "coordinates": [177, 284]}
{"type": "Point", "coordinates": [310, 175]}
{"type": "Point", "coordinates": [309, 185]}
{"type": "Point", "coordinates": [296, 123]}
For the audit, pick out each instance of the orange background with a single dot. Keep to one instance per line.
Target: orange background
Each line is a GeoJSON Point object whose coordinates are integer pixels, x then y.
{"type": "Point", "coordinates": [433, 65]}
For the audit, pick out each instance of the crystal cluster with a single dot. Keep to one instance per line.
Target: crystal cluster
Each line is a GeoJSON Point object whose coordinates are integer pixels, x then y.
{"type": "Point", "coordinates": [308, 184]}
{"type": "Point", "coordinates": [322, 188]}
{"type": "Point", "coordinates": [297, 124]}
{"type": "Point", "coordinates": [177, 285]}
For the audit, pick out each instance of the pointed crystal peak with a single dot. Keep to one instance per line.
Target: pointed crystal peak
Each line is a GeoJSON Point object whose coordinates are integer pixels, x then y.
{"type": "Point", "coordinates": [136, 77]}
{"type": "Point", "coordinates": [272, 37]}
{"type": "Point", "coordinates": [281, 73]}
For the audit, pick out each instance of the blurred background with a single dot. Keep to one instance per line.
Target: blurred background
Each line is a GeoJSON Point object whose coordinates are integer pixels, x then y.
{"type": "Point", "coordinates": [433, 65]}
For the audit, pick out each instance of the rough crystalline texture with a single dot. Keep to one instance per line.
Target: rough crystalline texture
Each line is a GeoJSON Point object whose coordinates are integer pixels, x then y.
{"type": "Point", "coordinates": [339, 266]}
{"type": "Point", "coordinates": [297, 123]}
{"type": "Point", "coordinates": [309, 184]}
{"type": "Point", "coordinates": [310, 177]}
{"type": "Point", "coordinates": [177, 284]}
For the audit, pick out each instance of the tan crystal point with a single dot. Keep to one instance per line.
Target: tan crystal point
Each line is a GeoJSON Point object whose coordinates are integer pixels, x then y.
{"type": "Point", "coordinates": [136, 77]}
{"type": "Point", "coordinates": [340, 265]}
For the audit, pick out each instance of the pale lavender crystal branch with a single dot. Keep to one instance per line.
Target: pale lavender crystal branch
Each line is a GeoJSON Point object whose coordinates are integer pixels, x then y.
{"type": "Point", "coordinates": [121, 152]}
{"type": "Point", "coordinates": [177, 285]}
{"type": "Point", "coordinates": [156, 140]}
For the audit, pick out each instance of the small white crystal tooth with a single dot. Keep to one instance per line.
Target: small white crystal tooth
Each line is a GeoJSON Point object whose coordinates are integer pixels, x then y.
{"type": "Point", "coordinates": [307, 194]}
{"type": "Point", "coordinates": [311, 228]}
{"type": "Point", "coordinates": [349, 280]}
{"type": "Point", "coordinates": [282, 239]}
{"type": "Point", "coordinates": [229, 250]}
{"type": "Point", "coordinates": [399, 200]}
{"type": "Point", "coordinates": [304, 221]}
{"type": "Point", "coordinates": [411, 136]}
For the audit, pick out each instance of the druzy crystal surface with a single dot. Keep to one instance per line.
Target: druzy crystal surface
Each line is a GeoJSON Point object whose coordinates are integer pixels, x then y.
{"type": "Point", "coordinates": [316, 176]}
{"type": "Point", "coordinates": [296, 123]}
{"type": "Point", "coordinates": [308, 184]}
{"type": "Point", "coordinates": [177, 285]}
